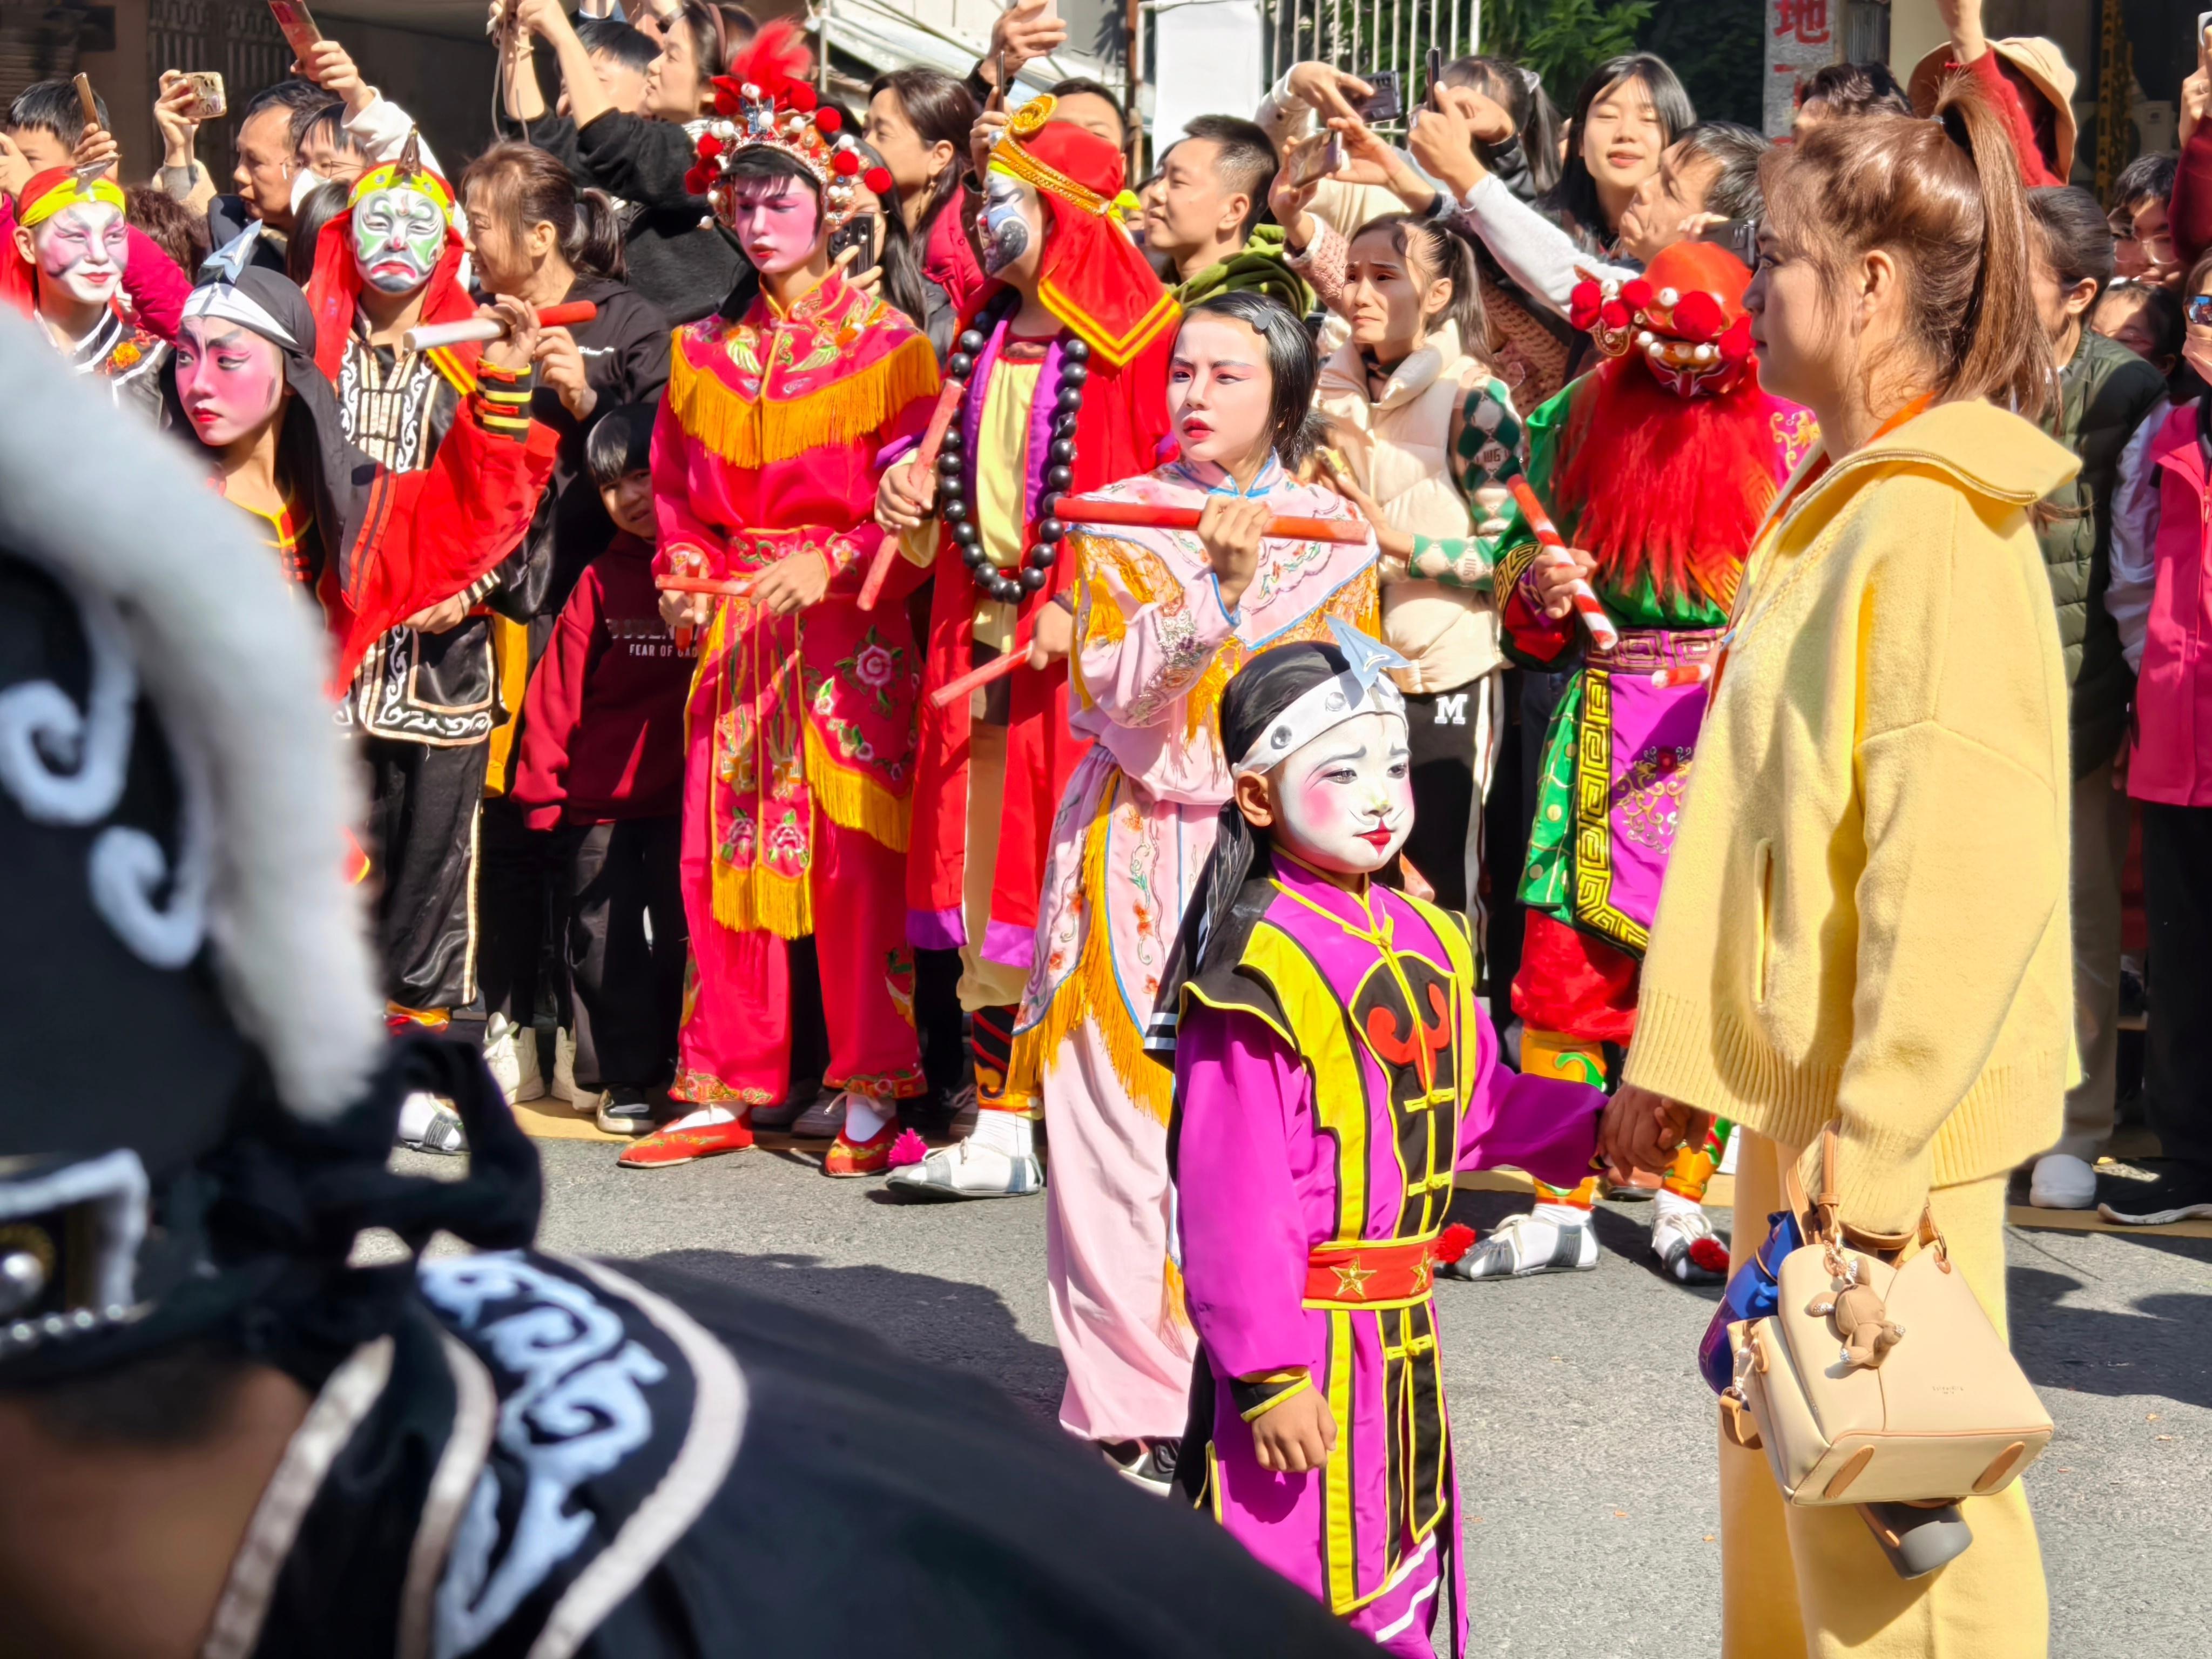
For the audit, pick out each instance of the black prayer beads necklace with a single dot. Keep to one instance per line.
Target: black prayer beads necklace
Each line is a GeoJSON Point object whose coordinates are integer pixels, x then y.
{"type": "Point", "coordinates": [959, 508]}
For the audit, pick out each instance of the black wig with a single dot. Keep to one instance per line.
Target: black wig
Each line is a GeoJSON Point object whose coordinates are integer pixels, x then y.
{"type": "Point", "coordinates": [1293, 365]}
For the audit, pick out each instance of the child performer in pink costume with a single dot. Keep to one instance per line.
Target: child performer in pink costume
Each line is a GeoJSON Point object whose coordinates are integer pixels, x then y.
{"type": "Point", "coordinates": [1333, 1071]}
{"type": "Point", "coordinates": [1164, 617]}
{"type": "Point", "coordinates": [800, 725]}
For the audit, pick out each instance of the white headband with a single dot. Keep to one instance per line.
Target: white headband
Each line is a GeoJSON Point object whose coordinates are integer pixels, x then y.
{"type": "Point", "coordinates": [236, 306]}
{"type": "Point", "coordinates": [1326, 706]}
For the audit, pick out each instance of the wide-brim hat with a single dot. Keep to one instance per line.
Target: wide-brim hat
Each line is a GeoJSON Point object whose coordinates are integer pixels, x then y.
{"type": "Point", "coordinates": [2039, 60]}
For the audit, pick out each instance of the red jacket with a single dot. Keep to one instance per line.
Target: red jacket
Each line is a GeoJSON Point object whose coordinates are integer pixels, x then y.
{"type": "Point", "coordinates": [603, 721]}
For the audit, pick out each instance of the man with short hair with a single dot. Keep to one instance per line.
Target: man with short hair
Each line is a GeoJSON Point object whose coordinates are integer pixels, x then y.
{"type": "Point", "coordinates": [1092, 106]}
{"type": "Point", "coordinates": [1201, 216]}
{"type": "Point", "coordinates": [620, 57]}
{"type": "Point", "coordinates": [268, 164]}
{"type": "Point", "coordinates": [1847, 92]}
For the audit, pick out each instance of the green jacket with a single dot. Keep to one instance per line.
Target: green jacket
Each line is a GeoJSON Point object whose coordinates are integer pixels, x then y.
{"type": "Point", "coordinates": [2108, 391]}
{"type": "Point", "coordinates": [1260, 266]}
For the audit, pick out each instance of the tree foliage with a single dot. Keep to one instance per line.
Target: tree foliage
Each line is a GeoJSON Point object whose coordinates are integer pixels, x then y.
{"type": "Point", "coordinates": [1563, 40]}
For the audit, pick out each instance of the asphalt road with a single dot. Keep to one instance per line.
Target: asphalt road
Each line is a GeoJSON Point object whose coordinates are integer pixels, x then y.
{"type": "Point", "coordinates": [1585, 1437]}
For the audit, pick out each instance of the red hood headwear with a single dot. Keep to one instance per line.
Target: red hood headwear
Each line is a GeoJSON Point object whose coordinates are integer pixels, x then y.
{"type": "Point", "coordinates": [334, 286]}
{"type": "Point", "coordinates": [1684, 316]}
{"type": "Point", "coordinates": [766, 102]}
{"type": "Point", "coordinates": [1673, 451]}
{"type": "Point", "coordinates": [44, 195]}
{"type": "Point", "coordinates": [1090, 276]}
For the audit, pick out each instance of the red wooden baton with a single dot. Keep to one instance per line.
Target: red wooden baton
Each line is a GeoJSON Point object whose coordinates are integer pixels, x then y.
{"type": "Point", "coordinates": [1603, 635]}
{"type": "Point", "coordinates": [925, 463]}
{"type": "Point", "coordinates": [1144, 515]}
{"type": "Point", "coordinates": [976, 678]}
{"type": "Point", "coordinates": [430, 336]}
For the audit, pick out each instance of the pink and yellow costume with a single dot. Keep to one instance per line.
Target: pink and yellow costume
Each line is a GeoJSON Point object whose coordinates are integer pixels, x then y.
{"type": "Point", "coordinates": [1333, 1071]}
{"type": "Point", "coordinates": [801, 728]}
{"type": "Point", "coordinates": [1153, 649]}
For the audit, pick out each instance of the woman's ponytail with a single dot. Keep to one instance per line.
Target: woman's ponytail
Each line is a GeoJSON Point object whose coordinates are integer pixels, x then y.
{"type": "Point", "coordinates": [2005, 355]}
{"type": "Point", "coordinates": [593, 243]}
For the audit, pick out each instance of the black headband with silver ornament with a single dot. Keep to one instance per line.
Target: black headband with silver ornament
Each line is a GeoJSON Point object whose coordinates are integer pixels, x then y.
{"type": "Point", "coordinates": [1363, 688]}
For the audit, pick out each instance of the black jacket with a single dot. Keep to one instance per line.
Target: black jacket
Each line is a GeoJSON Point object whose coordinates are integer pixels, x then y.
{"type": "Point", "coordinates": [228, 216]}
{"type": "Point", "coordinates": [680, 258]}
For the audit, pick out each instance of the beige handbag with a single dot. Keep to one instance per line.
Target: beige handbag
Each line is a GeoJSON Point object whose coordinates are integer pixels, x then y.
{"type": "Point", "coordinates": [1874, 1383]}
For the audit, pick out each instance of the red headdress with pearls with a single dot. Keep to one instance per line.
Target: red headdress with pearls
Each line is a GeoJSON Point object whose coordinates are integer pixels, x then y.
{"type": "Point", "coordinates": [1684, 316]}
{"type": "Point", "coordinates": [767, 101]}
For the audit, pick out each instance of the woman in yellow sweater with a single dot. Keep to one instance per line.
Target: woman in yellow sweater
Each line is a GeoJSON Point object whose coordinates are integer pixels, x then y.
{"type": "Point", "coordinates": [1865, 921]}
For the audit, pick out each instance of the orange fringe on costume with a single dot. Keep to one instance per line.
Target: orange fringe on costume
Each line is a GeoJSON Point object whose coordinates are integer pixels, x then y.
{"type": "Point", "coordinates": [753, 432]}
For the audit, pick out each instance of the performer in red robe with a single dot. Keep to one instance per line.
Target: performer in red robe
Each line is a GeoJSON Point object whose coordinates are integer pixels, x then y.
{"type": "Point", "coordinates": [1066, 365]}
{"type": "Point", "coordinates": [800, 723]}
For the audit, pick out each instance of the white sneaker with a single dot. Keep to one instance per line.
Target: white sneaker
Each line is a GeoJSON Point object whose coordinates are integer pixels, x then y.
{"type": "Point", "coordinates": [2062, 1182]}
{"type": "Point", "coordinates": [998, 1160]}
{"type": "Point", "coordinates": [426, 1124]}
{"type": "Point", "coordinates": [1523, 1247]}
{"type": "Point", "coordinates": [823, 1120]}
{"type": "Point", "coordinates": [511, 1052]}
{"type": "Point", "coordinates": [1689, 1249]}
{"type": "Point", "coordinates": [564, 1070]}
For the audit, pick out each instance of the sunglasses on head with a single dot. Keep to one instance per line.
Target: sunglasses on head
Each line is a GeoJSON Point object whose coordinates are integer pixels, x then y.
{"type": "Point", "coordinates": [2200, 310]}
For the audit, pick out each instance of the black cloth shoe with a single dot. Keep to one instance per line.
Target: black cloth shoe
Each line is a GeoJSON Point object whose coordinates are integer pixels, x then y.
{"type": "Point", "coordinates": [626, 1110]}
{"type": "Point", "coordinates": [1148, 1463]}
{"type": "Point", "coordinates": [2181, 1192]}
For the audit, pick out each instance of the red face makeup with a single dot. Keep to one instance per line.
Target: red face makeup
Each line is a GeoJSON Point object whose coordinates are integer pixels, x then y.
{"type": "Point", "coordinates": [82, 251]}
{"type": "Point", "coordinates": [230, 379]}
{"type": "Point", "coordinates": [776, 222]}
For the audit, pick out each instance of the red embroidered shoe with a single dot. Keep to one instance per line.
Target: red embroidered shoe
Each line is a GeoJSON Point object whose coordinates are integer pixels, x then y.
{"type": "Point", "coordinates": [677, 1145]}
{"type": "Point", "coordinates": [848, 1157]}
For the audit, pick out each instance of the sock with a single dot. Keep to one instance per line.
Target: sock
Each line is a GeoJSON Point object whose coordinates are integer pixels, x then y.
{"type": "Point", "coordinates": [1668, 1202]}
{"type": "Point", "coordinates": [1557, 1214]}
{"type": "Point", "coordinates": [705, 1118]}
{"type": "Point", "coordinates": [1008, 1133]}
{"type": "Point", "coordinates": [865, 1118]}
{"type": "Point", "coordinates": [416, 1112]}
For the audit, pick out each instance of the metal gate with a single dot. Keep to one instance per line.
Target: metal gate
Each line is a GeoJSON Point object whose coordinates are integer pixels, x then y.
{"type": "Point", "coordinates": [238, 37]}
{"type": "Point", "coordinates": [1368, 35]}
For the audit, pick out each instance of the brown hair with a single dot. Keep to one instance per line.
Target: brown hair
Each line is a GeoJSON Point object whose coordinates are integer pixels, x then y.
{"type": "Point", "coordinates": [1944, 198]}
{"type": "Point", "coordinates": [526, 186]}
{"type": "Point", "coordinates": [1442, 254]}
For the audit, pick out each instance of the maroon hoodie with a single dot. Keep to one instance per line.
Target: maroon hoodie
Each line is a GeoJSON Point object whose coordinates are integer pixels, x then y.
{"type": "Point", "coordinates": [602, 722]}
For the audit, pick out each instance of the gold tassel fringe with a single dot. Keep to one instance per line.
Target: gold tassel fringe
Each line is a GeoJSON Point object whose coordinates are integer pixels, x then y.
{"type": "Point", "coordinates": [852, 801]}
{"type": "Point", "coordinates": [753, 900]}
{"type": "Point", "coordinates": [753, 432]}
{"type": "Point", "coordinates": [1091, 995]}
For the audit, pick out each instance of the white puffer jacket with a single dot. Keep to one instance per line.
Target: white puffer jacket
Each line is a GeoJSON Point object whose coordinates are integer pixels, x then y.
{"type": "Point", "coordinates": [1398, 447]}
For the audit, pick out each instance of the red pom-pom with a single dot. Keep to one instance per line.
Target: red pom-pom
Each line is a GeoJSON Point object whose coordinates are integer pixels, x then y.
{"type": "Point", "coordinates": [829, 122]}
{"type": "Point", "coordinates": [1613, 313]}
{"type": "Point", "coordinates": [878, 181]}
{"type": "Point", "coordinates": [909, 1148]}
{"type": "Point", "coordinates": [800, 96]}
{"type": "Point", "coordinates": [1584, 302]}
{"type": "Point", "coordinates": [725, 100]}
{"type": "Point", "coordinates": [1698, 316]}
{"type": "Point", "coordinates": [1455, 1242]}
{"type": "Point", "coordinates": [710, 146]}
{"type": "Point", "coordinates": [1735, 344]}
{"type": "Point", "coordinates": [696, 181]}
{"type": "Point", "coordinates": [1635, 294]}
{"type": "Point", "coordinates": [845, 163]}
{"type": "Point", "coordinates": [1710, 1254]}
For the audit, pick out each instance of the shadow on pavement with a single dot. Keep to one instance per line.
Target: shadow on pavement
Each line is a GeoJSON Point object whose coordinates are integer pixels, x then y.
{"type": "Point", "coordinates": [2157, 1348]}
{"type": "Point", "coordinates": [945, 1321]}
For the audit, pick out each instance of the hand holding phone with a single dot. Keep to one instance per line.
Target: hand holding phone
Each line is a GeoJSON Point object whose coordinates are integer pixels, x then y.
{"type": "Point", "coordinates": [1386, 102]}
{"type": "Point", "coordinates": [1314, 158]}
{"type": "Point", "coordinates": [205, 101]}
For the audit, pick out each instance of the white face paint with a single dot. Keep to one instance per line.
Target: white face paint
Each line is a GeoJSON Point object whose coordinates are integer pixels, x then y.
{"type": "Point", "coordinates": [82, 251]}
{"type": "Point", "coordinates": [1007, 228]}
{"type": "Point", "coordinates": [1345, 800]}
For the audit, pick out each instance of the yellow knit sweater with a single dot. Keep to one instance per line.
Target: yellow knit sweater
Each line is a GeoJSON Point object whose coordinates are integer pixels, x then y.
{"type": "Point", "coordinates": [1865, 913]}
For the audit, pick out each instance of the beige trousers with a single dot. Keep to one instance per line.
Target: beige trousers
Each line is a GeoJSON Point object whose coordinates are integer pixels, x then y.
{"type": "Point", "coordinates": [1811, 1583]}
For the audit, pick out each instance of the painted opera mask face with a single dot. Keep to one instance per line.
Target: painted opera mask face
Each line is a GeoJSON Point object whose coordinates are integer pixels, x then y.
{"type": "Point", "coordinates": [776, 220]}
{"type": "Point", "coordinates": [230, 381]}
{"type": "Point", "coordinates": [1344, 801]}
{"type": "Point", "coordinates": [1013, 229]}
{"type": "Point", "coordinates": [80, 252]}
{"type": "Point", "coordinates": [1221, 392]}
{"type": "Point", "coordinates": [398, 235]}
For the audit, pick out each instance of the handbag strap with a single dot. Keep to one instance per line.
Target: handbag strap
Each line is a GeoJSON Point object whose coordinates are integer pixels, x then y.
{"type": "Point", "coordinates": [1822, 1222]}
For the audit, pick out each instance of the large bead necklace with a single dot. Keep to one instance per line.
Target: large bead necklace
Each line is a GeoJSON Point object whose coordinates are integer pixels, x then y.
{"type": "Point", "coordinates": [956, 480]}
